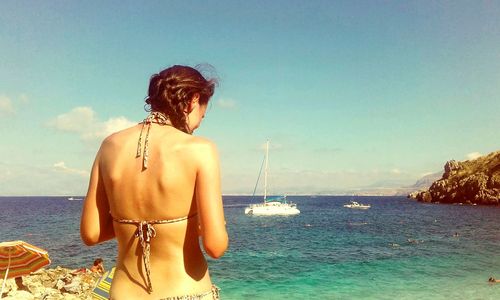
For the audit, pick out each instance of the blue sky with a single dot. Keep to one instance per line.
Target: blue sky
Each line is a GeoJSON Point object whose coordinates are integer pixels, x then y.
{"type": "Point", "coordinates": [352, 94]}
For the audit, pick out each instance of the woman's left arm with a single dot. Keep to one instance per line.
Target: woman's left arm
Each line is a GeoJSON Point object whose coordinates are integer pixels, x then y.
{"type": "Point", "coordinates": [96, 224]}
{"type": "Point", "coordinates": [209, 201]}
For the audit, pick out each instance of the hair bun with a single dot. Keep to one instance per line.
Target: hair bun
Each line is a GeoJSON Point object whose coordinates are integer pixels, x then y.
{"type": "Point", "coordinates": [171, 90]}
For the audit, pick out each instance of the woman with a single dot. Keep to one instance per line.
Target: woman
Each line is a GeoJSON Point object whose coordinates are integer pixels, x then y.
{"type": "Point", "coordinates": [156, 188]}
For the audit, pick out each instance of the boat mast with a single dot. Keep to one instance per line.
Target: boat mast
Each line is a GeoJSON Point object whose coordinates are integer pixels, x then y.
{"type": "Point", "coordinates": [265, 171]}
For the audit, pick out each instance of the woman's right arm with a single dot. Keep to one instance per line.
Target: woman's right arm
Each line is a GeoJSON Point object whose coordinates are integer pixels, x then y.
{"type": "Point", "coordinates": [209, 201]}
{"type": "Point", "coordinates": [96, 224]}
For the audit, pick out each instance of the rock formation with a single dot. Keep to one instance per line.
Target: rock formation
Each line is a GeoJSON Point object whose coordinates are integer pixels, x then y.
{"type": "Point", "coordinates": [54, 284]}
{"type": "Point", "coordinates": [470, 182]}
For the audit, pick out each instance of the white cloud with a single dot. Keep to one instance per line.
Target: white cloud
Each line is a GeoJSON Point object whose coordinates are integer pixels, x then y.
{"type": "Point", "coordinates": [473, 155]}
{"type": "Point", "coordinates": [83, 121]}
{"type": "Point", "coordinates": [395, 171]}
{"type": "Point", "coordinates": [46, 180]}
{"type": "Point", "coordinates": [226, 103]}
{"type": "Point", "coordinates": [6, 107]}
{"type": "Point", "coordinates": [79, 119]}
{"type": "Point", "coordinates": [61, 167]}
{"type": "Point", "coordinates": [101, 130]}
{"type": "Point", "coordinates": [23, 98]}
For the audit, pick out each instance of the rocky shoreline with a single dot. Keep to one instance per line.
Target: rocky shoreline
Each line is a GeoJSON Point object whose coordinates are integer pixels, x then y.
{"type": "Point", "coordinates": [468, 182]}
{"type": "Point", "coordinates": [52, 284]}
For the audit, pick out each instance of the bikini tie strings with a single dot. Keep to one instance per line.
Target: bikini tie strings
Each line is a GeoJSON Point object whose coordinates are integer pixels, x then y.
{"type": "Point", "coordinates": [146, 231]}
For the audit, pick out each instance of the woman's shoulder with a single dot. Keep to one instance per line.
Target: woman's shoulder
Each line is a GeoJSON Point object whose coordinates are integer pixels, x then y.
{"type": "Point", "coordinates": [202, 144]}
{"type": "Point", "coordinates": [200, 147]}
{"type": "Point", "coordinates": [118, 138]}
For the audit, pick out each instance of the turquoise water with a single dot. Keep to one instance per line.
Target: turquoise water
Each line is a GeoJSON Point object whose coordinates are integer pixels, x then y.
{"type": "Point", "coordinates": [398, 249]}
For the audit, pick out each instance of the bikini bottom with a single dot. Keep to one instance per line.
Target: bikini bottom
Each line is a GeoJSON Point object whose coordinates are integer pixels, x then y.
{"type": "Point", "coordinates": [213, 294]}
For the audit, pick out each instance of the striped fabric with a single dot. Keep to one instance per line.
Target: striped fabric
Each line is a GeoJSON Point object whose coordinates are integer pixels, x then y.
{"type": "Point", "coordinates": [18, 258]}
{"type": "Point", "coordinates": [101, 290]}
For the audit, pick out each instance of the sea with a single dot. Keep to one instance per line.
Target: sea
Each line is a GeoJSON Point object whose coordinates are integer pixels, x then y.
{"type": "Point", "coordinates": [397, 249]}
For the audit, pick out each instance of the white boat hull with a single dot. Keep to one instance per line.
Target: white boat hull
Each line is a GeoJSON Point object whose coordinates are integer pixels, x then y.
{"type": "Point", "coordinates": [357, 207]}
{"type": "Point", "coordinates": [272, 209]}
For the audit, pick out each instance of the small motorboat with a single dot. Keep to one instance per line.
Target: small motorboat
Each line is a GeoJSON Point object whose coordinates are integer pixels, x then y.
{"type": "Point", "coordinates": [74, 199]}
{"type": "Point", "coordinates": [356, 205]}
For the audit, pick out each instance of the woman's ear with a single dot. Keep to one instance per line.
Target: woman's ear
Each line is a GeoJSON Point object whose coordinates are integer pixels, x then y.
{"type": "Point", "coordinates": [192, 103]}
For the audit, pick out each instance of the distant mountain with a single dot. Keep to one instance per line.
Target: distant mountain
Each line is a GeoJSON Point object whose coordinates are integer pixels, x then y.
{"type": "Point", "coordinates": [395, 188]}
{"type": "Point", "coordinates": [426, 181]}
{"type": "Point", "coordinates": [472, 182]}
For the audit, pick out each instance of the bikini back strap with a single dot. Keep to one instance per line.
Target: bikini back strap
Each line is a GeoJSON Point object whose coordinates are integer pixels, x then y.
{"type": "Point", "coordinates": [154, 117]}
{"type": "Point", "coordinates": [154, 222]}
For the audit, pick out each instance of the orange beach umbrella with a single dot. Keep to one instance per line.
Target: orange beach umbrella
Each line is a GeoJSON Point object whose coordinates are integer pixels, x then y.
{"type": "Point", "coordinates": [19, 258]}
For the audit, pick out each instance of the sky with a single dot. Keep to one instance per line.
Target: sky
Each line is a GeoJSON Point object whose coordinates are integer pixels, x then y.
{"type": "Point", "coordinates": [351, 94]}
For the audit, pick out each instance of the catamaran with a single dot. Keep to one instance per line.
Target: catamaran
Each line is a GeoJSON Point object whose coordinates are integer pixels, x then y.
{"type": "Point", "coordinates": [275, 205]}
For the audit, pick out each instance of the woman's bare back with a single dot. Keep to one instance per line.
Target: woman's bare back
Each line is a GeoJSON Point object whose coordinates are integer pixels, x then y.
{"type": "Point", "coordinates": [163, 191]}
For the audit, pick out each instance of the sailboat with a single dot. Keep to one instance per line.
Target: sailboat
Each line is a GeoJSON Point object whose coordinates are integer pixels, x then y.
{"type": "Point", "coordinates": [276, 205]}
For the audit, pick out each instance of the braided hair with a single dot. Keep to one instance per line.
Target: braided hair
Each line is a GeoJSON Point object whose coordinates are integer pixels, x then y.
{"type": "Point", "coordinates": [171, 91]}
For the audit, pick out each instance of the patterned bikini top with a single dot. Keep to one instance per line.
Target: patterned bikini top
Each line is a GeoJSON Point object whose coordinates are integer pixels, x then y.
{"type": "Point", "coordinates": [145, 232]}
{"type": "Point", "coordinates": [153, 117]}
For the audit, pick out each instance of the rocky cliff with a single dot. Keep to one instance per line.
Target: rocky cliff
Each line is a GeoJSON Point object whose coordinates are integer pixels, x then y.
{"type": "Point", "coordinates": [470, 182]}
{"type": "Point", "coordinates": [52, 284]}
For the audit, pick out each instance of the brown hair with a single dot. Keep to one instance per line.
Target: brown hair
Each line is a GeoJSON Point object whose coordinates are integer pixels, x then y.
{"type": "Point", "coordinates": [171, 90]}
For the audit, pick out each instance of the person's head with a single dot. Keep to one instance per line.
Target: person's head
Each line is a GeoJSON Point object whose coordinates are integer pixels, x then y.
{"type": "Point", "coordinates": [182, 94]}
{"type": "Point", "coordinates": [98, 261]}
